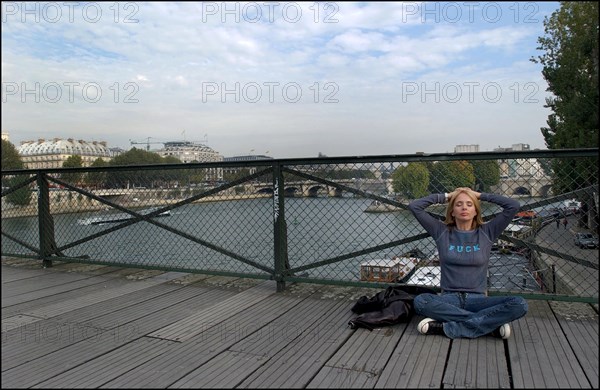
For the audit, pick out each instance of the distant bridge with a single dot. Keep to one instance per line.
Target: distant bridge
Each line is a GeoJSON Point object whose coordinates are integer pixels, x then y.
{"type": "Point", "coordinates": [292, 188]}
{"type": "Point", "coordinates": [314, 189]}
{"type": "Point", "coordinates": [524, 185]}
{"type": "Point", "coordinates": [537, 187]}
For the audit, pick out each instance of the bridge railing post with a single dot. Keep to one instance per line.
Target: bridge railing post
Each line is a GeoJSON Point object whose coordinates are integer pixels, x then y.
{"type": "Point", "coordinates": [45, 221]}
{"type": "Point", "coordinates": [280, 228]}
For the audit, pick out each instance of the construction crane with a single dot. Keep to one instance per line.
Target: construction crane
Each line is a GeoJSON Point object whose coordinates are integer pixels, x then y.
{"type": "Point", "coordinates": [147, 143]}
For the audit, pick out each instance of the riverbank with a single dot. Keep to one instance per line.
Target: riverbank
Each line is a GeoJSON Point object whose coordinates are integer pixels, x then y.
{"type": "Point", "coordinates": [70, 206]}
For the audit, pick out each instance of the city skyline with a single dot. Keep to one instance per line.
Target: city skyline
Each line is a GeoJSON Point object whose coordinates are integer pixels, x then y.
{"type": "Point", "coordinates": [167, 145]}
{"type": "Point", "coordinates": [290, 79]}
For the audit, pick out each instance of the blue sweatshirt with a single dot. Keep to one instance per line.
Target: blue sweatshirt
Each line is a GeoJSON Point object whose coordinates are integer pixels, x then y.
{"type": "Point", "coordinates": [464, 255]}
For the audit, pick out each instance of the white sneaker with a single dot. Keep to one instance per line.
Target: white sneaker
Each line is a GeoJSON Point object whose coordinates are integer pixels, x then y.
{"type": "Point", "coordinates": [503, 331]}
{"type": "Point", "coordinates": [430, 326]}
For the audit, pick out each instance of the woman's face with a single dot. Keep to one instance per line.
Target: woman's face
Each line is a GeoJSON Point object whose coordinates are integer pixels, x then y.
{"type": "Point", "coordinates": [464, 209]}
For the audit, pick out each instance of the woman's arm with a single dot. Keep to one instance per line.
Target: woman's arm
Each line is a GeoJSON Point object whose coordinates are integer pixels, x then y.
{"type": "Point", "coordinates": [510, 207]}
{"type": "Point", "coordinates": [432, 225]}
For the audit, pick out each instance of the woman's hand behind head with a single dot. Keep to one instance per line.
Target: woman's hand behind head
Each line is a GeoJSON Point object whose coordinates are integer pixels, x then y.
{"type": "Point", "coordinates": [459, 190]}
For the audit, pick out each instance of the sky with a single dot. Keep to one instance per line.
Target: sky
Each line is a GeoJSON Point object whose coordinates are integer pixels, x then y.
{"type": "Point", "coordinates": [283, 79]}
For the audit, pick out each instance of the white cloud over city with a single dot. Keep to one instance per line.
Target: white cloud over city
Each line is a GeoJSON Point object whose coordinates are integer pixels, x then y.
{"type": "Point", "coordinates": [295, 78]}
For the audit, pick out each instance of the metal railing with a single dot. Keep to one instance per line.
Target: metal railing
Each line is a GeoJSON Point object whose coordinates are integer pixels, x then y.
{"type": "Point", "coordinates": [322, 220]}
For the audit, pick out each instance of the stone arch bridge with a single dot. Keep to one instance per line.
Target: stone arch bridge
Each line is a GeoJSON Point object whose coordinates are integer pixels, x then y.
{"type": "Point", "coordinates": [530, 186]}
{"type": "Point", "coordinates": [313, 189]}
{"type": "Point", "coordinates": [524, 185]}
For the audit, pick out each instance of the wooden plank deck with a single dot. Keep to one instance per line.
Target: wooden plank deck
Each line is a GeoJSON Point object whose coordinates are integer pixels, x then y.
{"type": "Point", "coordinates": [89, 326]}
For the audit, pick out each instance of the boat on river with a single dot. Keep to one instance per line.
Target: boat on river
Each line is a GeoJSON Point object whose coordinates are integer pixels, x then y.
{"type": "Point", "coordinates": [505, 271]}
{"type": "Point", "coordinates": [428, 276]}
{"type": "Point", "coordinates": [396, 269]}
{"type": "Point", "coordinates": [378, 206]}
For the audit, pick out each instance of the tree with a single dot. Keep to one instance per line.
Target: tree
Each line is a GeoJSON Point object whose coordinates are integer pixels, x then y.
{"type": "Point", "coordinates": [10, 156]}
{"type": "Point", "coordinates": [487, 174]}
{"type": "Point", "coordinates": [237, 174]}
{"type": "Point", "coordinates": [12, 160]}
{"type": "Point", "coordinates": [136, 156]}
{"type": "Point", "coordinates": [74, 161]}
{"type": "Point", "coordinates": [97, 179]}
{"type": "Point", "coordinates": [141, 178]}
{"type": "Point", "coordinates": [195, 176]}
{"type": "Point", "coordinates": [445, 176]}
{"type": "Point", "coordinates": [411, 181]}
{"type": "Point", "coordinates": [172, 176]}
{"type": "Point", "coordinates": [570, 67]}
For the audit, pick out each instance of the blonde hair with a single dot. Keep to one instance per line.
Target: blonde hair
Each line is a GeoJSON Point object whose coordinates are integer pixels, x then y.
{"type": "Point", "coordinates": [477, 221]}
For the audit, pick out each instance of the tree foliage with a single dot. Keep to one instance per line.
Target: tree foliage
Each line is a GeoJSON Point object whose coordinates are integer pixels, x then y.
{"type": "Point", "coordinates": [411, 181]}
{"type": "Point", "coordinates": [10, 156]}
{"type": "Point", "coordinates": [417, 179]}
{"type": "Point", "coordinates": [12, 160]}
{"type": "Point", "coordinates": [570, 67]}
{"type": "Point", "coordinates": [487, 174]}
{"type": "Point", "coordinates": [237, 174]}
{"type": "Point", "coordinates": [74, 161]}
{"type": "Point", "coordinates": [136, 156]}
{"type": "Point", "coordinates": [445, 176]}
{"type": "Point", "coordinates": [143, 178]}
{"type": "Point", "coordinates": [97, 179]}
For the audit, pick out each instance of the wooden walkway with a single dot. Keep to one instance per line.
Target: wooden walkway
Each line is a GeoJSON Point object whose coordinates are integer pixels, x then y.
{"type": "Point", "coordinates": [83, 326]}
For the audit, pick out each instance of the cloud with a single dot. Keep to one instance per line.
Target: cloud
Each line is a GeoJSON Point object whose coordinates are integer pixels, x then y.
{"type": "Point", "coordinates": [353, 65]}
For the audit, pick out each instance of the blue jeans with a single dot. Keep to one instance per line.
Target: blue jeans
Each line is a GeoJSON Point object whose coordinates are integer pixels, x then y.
{"type": "Point", "coordinates": [470, 315]}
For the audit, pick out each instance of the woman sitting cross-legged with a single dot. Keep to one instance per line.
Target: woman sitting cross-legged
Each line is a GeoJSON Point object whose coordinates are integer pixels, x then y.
{"type": "Point", "coordinates": [464, 243]}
